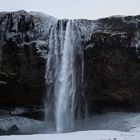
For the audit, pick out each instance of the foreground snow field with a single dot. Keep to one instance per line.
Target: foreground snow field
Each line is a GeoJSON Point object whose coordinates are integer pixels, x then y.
{"type": "Point", "coordinates": [121, 126]}
{"type": "Point", "coordinates": [81, 135]}
{"type": "Point", "coordinates": [118, 121]}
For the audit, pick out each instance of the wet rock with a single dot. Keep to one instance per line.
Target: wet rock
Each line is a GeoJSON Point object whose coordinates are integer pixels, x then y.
{"type": "Point", "coordinates": [112, 66]}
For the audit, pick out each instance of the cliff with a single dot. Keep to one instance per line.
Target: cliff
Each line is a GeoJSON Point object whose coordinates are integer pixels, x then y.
{"type": "Point", "coordinates": [112, 65]}
{"type": "Point", "coordinates": [111, 62]}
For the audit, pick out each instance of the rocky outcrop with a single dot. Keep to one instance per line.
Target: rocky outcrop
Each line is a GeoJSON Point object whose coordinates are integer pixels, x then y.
{"type": "Point", "coordinates": [111, 58]}
{"type": "Point", "coordinates": [14, 130]}
{"type": "Point", "coordinates": [21, 67]}
{"type": "Point", "coordinates": [112, 66]}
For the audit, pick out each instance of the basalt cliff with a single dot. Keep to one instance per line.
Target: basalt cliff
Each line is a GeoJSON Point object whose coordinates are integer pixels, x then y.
{"type": "Point", "coordinates": [111, 58]}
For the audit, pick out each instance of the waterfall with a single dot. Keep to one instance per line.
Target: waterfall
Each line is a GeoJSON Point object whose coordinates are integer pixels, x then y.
{"type": "Point", "coordinates": [64, 76]}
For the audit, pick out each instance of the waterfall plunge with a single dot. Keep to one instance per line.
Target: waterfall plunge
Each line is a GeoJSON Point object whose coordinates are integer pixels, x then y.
{"type": "Point", "coordinates": [64, 76]}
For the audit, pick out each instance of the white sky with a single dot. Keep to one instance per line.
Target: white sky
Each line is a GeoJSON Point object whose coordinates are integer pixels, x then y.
{"type": "Point", "coordinates": [90, 9]}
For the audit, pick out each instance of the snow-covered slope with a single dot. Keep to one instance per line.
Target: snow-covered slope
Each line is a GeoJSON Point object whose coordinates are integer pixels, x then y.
{"type": "Point", "coordinates": [112, 121]}
{"type": "Point", "coordinates": [81, 135]}
{"type": "Point", "coordinates": [127, 122]}
{"type": "Point", "coordinates": [43, 24]}
{"type": "Point", "coordinates": [24, 125]}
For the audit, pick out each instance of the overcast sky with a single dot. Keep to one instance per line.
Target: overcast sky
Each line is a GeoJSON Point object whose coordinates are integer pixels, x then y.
{"type": "Point", "coordinates": [90, 9]}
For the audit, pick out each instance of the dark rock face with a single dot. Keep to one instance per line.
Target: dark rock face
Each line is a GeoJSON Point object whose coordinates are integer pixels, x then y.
{"type": "Point", "coordinates": [112, 66]}
{"type": "Point", "coordinates": [21, 68]}
{"type": "Point", "coordinates": [21, 76]}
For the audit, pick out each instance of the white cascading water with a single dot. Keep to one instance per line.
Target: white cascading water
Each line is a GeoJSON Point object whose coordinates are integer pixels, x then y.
{"type": "Point", "coordinates": [64, 76]}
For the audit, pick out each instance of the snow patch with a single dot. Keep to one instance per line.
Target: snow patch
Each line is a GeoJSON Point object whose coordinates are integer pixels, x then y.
{"type": "Point", "coordinates": [111, 121]}
{"type": "Point", "coordinates": [86, 28]}
{"type": "Point", "coordinates": [43, 24]}
{"type": "Point", "coordinates": [81, 135]}
{"type": "Point", "coordinates": [42, 48]}
{"type": "Point", "coordinates": [24, 124]}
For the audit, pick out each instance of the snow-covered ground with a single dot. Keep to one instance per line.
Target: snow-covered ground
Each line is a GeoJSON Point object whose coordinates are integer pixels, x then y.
{"type": "Point", "coordinates": [25, 125]}
{"type": "Point", "coordinates": [109, 121]}
{"type": "Point", "coordinates": [119, 121]}
{"type": "Point", "coordinates": [109, 126]}
{"type": "Point", "coordinates": [81, 135]}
